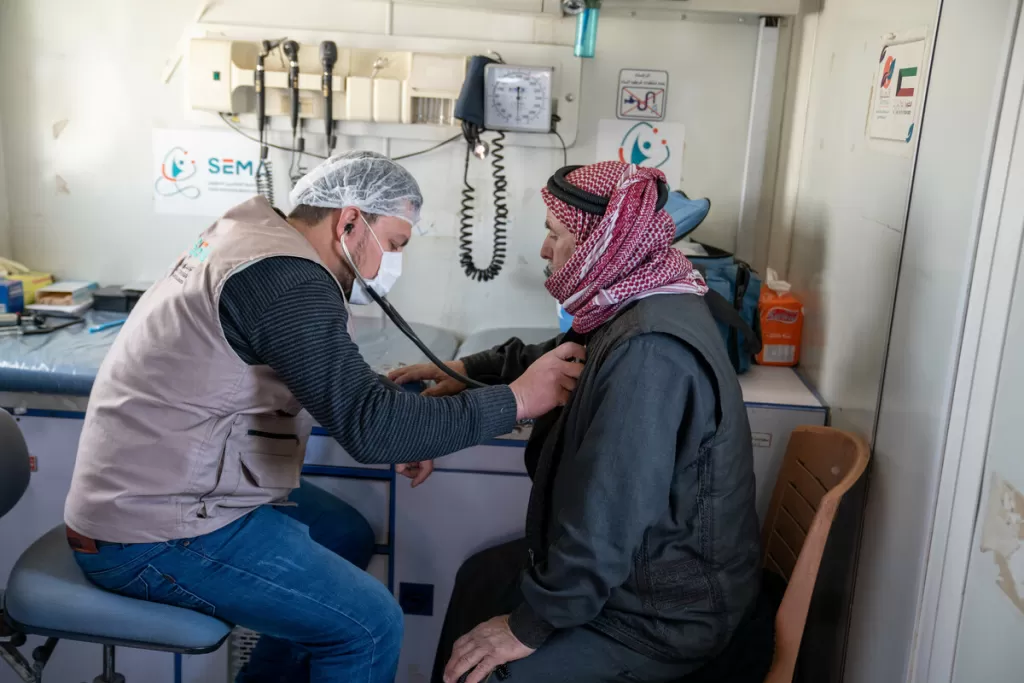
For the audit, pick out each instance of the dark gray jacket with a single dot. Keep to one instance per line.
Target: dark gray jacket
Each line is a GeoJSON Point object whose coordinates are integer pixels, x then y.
{"type": "Point", "coordinates": [641, 521]}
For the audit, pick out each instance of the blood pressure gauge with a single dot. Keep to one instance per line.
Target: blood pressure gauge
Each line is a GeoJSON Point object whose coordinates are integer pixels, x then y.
{"type": "Point", "coordinates": [517, 98]}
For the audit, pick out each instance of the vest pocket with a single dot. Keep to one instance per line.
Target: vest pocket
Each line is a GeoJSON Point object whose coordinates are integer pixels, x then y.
{"type": "Point", "coordinates": [261, 462]}
{"type": "Point", "coordinates": [269, 471]}
{"type": "Point", "coordinates": [269, 452]}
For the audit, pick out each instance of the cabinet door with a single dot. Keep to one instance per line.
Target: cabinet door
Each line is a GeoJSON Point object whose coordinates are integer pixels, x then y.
{"type": "Point", "coordinates": [438, 526]}
{"type": "Point", "coordinates": [53, 442]}
{"type": "Point", "coordinates": [770, 429]}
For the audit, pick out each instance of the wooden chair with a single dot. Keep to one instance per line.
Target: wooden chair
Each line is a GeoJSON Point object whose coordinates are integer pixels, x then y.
{"type": "Point", "coordinates": [820, 466]}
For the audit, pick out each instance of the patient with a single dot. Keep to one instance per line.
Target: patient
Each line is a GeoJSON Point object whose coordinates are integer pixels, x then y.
{"type": "Point", "coordinates": [641, 556]}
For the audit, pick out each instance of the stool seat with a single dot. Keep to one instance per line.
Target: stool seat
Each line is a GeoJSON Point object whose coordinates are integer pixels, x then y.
{"type": "Point", "coordinates": [47, 594]}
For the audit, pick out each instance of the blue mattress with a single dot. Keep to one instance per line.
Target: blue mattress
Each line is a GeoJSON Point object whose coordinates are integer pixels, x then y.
{"type": "Point", "coordinates": [66, 362]}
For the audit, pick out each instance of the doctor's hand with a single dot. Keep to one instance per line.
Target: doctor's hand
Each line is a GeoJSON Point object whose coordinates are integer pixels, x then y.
{"type": "Point", "coordinates": [548, 381]}
{"type": "Point", "coordinates": [486, 647]}
{"type": "Point", "coordinates": [445, 385]}
{"type": "Point", "coordinates": [417, 471]}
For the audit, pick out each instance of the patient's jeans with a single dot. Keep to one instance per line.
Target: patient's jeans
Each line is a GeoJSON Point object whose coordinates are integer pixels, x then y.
{"type": "Point", "coordinates": [293, 574]}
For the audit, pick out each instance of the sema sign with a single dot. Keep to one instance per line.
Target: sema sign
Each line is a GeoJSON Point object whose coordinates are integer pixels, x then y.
{"type": "Point", "coordinates": [202, 173]}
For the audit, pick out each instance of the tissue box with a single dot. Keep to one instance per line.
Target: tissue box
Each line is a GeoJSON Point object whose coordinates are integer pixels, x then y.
{"type": "Point", "coordinates": [12, 299]}
{"type": "Point", "coordinates": [31, 282]}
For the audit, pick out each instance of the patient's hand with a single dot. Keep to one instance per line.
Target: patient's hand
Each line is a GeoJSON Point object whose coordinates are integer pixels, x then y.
{"type": "Point", "coordinates": [486, 647]}
{"type": "Point", "coordinates": [446, 386]}
{"type": "Point", "coordinates": [417, 471]}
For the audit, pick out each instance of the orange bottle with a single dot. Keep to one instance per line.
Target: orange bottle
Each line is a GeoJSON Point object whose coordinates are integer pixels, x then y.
{"type": "Point", "coordinates": [782, 323]}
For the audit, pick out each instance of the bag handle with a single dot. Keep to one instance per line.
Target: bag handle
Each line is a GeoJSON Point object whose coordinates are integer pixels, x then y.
{"type": "Point", "coordinates": [724, 312]}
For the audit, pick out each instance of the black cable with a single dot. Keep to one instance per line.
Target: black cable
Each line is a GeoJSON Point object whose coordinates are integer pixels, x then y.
{"type": "Point", "coordinates": [225, 119]}
{"type": "Point", "coordinates": [265, 180]}
{"type": "Point", "coordinates": [265, 169]}
{"type": "Point", "coordinates": [500, 194]}
{"type": "Point", "coordinates": [565, 150]}
{"type": "Point", "coordinates": [428, 149]}
{"type": "Point", "coordinates": [407, 330]}
{"type": "Point", "coordinates": [472, 135]}
{"type": "Point", "coordinates": [240, 131]}
{"type": "Point", "coordinates": [295, 173]}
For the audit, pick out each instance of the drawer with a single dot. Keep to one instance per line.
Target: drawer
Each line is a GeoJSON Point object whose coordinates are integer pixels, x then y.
{"type": "Point", "coordinates": [371, 498]}
{"type": "Point", "coordinates": [323, 450]}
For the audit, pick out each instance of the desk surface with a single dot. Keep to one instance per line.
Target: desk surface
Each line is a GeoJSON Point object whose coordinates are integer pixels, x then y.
{"type": "Point", "coordinates": [65, 362]}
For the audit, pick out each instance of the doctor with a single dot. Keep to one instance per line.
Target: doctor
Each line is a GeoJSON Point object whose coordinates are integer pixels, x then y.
{"type": "Point", "coordinates": [195, 431]}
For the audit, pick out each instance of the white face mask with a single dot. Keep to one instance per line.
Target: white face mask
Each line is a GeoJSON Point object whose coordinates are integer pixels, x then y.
{"type": "Point", "coordinates": [387, 275]}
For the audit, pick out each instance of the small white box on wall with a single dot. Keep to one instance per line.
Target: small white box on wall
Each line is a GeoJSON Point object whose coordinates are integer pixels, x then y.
{"type": "Point", "coordinates": [359, 98]}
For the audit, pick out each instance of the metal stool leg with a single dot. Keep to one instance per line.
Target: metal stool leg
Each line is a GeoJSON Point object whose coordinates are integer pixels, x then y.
{"type": "Point", "coordinates": [109, 674]}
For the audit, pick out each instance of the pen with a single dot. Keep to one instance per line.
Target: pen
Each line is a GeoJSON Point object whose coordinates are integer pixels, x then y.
{"type": "Point", "coordinates": [105, 326]}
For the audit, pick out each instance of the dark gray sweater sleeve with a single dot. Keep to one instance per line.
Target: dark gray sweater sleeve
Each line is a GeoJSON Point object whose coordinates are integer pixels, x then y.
{"type": "Point", "coordinates": [288, 313]}
{"type": "Point", "coordinates": [506, 363]}
{"type": "Point", "coordinates": [652, 400]}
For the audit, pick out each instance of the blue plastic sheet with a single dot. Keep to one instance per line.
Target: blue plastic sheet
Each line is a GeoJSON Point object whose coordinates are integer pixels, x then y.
{"type": "Point", "coordinates": [62, 362]}
{"type": "Point", "coordinates": [66, 361]}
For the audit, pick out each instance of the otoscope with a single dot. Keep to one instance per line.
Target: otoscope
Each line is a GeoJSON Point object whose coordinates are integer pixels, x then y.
{"type": "Point", "coordinates": [291, 51]}
{"type": "Point", "coordinates": [264, 178]}
{"type": "Point", "coordinates": [261, 94]}
{"type": "Point", "coordinates": [328, 57]}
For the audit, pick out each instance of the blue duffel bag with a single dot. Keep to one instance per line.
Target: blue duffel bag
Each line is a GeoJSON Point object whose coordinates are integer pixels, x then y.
{"type": "Point", "coordinates": [735, 286]}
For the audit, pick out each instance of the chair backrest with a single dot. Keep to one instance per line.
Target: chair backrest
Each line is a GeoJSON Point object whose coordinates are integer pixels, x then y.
{"type": "Point", "coordinates": [820, 466]}
{"type": "Point", "coordinates": [14, 463]}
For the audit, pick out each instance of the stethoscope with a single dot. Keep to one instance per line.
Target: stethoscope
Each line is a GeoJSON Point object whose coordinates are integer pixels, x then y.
{"type": "Point", "coordinates": [560, 187]}
{"type": "Point", "coordinates": [402, 325]}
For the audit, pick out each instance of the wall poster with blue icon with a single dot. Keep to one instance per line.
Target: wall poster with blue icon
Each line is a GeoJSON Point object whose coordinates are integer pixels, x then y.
{"type": "Point", "coordinates": [655, 144]}
{"type": "Point", "coordinates": [202, 172]}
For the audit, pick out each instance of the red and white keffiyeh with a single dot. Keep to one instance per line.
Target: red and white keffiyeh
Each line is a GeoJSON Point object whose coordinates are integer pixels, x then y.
{"type": "Point", "coordinates": [622, 256]}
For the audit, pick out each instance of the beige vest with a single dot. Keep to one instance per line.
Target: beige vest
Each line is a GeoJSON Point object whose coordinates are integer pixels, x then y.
{"type": "Point", "coordinates": [181, 437]}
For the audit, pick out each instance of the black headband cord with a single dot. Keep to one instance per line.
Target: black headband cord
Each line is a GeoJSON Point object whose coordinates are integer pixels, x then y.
{"type": "Point", "coordinates": [561, 188]}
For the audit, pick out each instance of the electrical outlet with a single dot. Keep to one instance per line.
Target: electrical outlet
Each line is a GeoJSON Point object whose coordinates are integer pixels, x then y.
{"type": "Point", "coordinates": [416, 598]}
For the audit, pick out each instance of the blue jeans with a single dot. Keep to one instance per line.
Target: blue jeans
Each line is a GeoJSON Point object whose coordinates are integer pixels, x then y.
{"type": "Point", "coordinates": [293, 574]}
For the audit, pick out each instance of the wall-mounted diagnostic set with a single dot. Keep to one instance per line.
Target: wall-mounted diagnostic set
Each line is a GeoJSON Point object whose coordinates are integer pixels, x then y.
{"type": "Point", "coordinates": [389, 91]}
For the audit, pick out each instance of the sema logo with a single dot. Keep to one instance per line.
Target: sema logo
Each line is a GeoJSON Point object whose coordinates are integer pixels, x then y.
{"type": "Point", "coordinates": [200, 250]}
{"type": "Point", "coordinates": [783, 315]}
{"type": "Point", "coordinates": [218, 166]}
{"type": "Point", "coordinates": [176, 170]}
{"type": "Point", "coordinates": [642, 146]}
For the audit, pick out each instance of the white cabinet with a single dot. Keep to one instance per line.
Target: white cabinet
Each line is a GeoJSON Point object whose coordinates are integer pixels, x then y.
{"type": "Point", "coordinates": [437, 526]}
{"type": "Point", "coordinates": [476, 498]}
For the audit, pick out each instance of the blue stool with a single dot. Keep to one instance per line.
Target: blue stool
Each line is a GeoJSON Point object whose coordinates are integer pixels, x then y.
{"type": "Point", "coordinates": [48, 595]}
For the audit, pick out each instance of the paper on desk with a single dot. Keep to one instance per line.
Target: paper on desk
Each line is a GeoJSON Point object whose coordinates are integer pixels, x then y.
{"type": "Point", "coordinates": [66, 311]}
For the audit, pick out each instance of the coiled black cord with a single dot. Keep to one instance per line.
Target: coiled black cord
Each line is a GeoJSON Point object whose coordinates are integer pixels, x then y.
{"type": "Point", "coordinates": [265, 180]}
{"type": "Point", "coordinates": [295, 173]}
{"type": "Point", "coordinates": [500, 194]}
